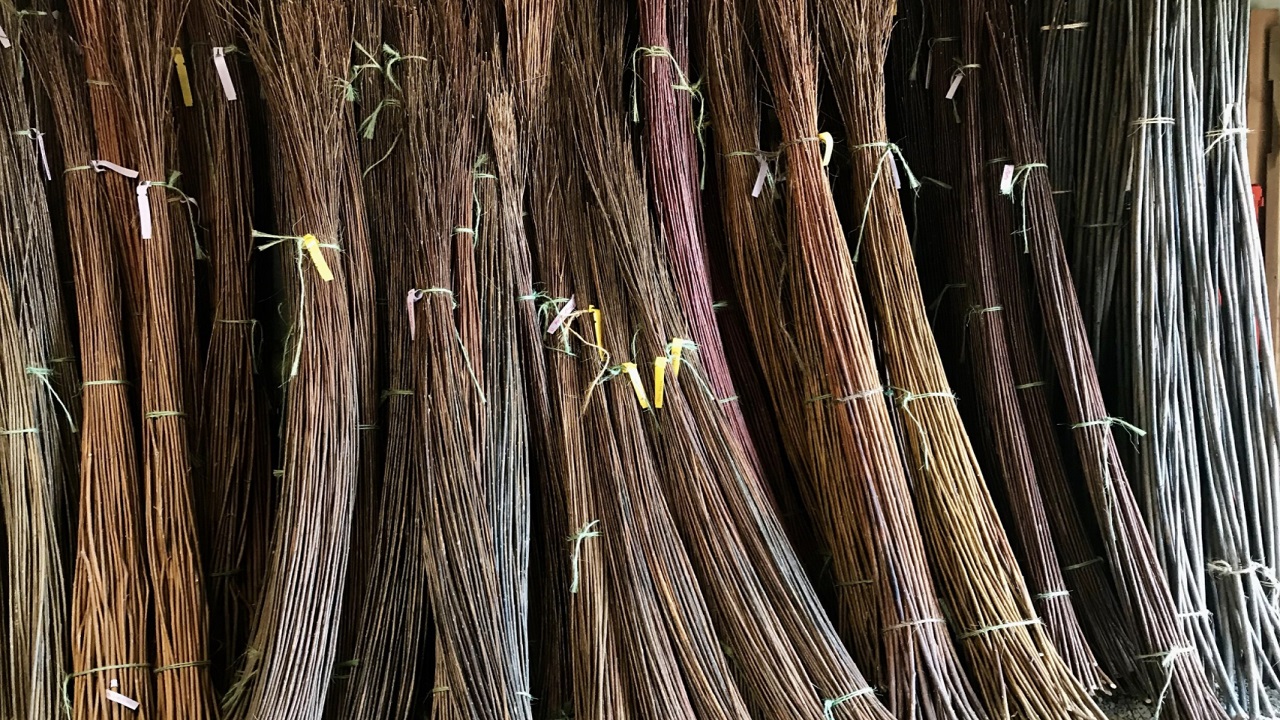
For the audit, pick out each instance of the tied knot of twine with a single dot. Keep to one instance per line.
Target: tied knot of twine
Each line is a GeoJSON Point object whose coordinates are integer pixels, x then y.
{"type": "Point", "coordinates": [70, 677]}
{"type": "Point", "coordinates": [1222, 568]}
{"type": "Point", "coordinates": [1167, 660]}
{"type": "Point", "coordinates": [43, 374]}
{"type": "Point", "coordinates": [1021, 177]}
{"type": "Point", "coordinates": [305, 244]}
{"type": "Point", "coordinates": [695, 94]}
{"type": "Point", "coordinates": [903, 399]}
{"type": "Point", "coordinates": [830, 704]}
{"type": "Point", "coordinates": [1064, 26]}
{"type": "Point", "coordinates": [416, 294]}
{"type": "Point", "coordinates": [888, 151]}
{"type": "Point", "coordinates": [1216, 136]}
{"type": "Point", "coordinates": [584, 532]}
{"type": "Point", "coordinates": [1111, 422]}
{"type": "Point", "coordinates": [998, 627]}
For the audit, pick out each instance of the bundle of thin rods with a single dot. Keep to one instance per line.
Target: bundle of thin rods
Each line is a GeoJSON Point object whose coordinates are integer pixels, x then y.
{"type": "Point", "coordinates": [473, 359]}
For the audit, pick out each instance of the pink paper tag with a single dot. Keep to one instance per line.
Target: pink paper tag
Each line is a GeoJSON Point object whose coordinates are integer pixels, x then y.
{"type": "Point", "coordinates": [760, 176]}
{"type": "Point", "coordinates": [893, 168]}
{"type": "Point", "coordinates": [560, 317]}
{"type": "Point", "coordinates": [955, 85]}
{"type": "Point", "coordinates": [103, 165]}
{"type": "Point", "coordinates": [414, 296]}
{"type": "Point", "coordinates": [224, 74]}
{"type": "Point", "coordinates": [1006, 180]}
{"type": "Point", "coordinates": [144, 210]}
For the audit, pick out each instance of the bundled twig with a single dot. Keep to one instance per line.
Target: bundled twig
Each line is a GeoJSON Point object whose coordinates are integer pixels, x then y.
{"type": "Point", "coordinates": [466, 544]}
{"type": "Point", "coordinates": [301, 51]}
{"type": "Point", "coordinates": [782, 646]}
{"type": "Point", "coordinates": [832, 351]}
{"type": "Point", "coordinates": [41, 411]}
{"type": "Point", "coordinates": [1172, 664]}
{"type": "Point", "coordinates": [236, 490]}
{"type": "Point", "coordinates": [390, 622]}
{"type": "Point", "coordinates": [110, 594]}
{"type": "Point", "coordinates": [968, 240]}
{"type": "Point", "coordinates": [136, 39]}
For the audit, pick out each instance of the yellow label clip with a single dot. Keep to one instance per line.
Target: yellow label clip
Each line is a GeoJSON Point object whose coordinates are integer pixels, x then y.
{"type": "Point", "coordinates": [677, 349]}
{"type": "Point", "coordinates": [184, 82]}
{"type": "Point", "coordinates": [312, 246]}
{"type": "Point", "coordinates": [630, 369]}
{"type": "Point", "coordinates": [595, 314]}
{"type": "Point", "coordinates": [659, 379]}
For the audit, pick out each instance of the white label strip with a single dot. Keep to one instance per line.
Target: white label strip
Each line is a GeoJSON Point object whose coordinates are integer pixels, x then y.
{"type": "Point", "coordinates": [102, 165]}
{"type": "Point", "coordinates": [760, 177]}
{"type": "Point", "coordinates": [124, 700]}
{"type": "Point", "coordinates": [224, 74]}
{"type": "Point", "coordinates": [955, 85]}
{"type": "Point", "coordinates": [893, 168]}
{"type": "Point", "coordinates": [144, 210]}
{"type": "Point", "coordinates": [1006, 180]}
{"type": "Point", "coordinates": [44, 159]}
{"type": "Point", "coordinates": [565, 311]}
{"type": "Point", "coordinates": [4, 40]}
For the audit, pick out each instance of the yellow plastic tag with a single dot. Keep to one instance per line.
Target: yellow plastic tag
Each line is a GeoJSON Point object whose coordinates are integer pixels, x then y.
{"type": "Point", "coordinates": [312, 246]}
{"type": "Point", "coordinates": [659, 379]}
{"type": "Point", "coordinates": [630, 369]}
{"type": "Point", "coordinates": [677, 349]}
{"type": "Point", "coordinates": [183, 81]}
{"type": "Point", "coordinates": [595, 314]}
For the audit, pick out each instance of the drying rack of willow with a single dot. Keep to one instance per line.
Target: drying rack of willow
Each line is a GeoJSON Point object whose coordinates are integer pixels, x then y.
{"type": "Point", "coordinates": [297, 49]}
{"type": "Point", "coordinates": [40, 416]}
{"type": "Point", "coordinates": [1172, 665]}
{"type": "Point", "coordinates": [1010, 655]}
{"type": "Point", "coordinates": [967, 241]}
{"type": "Point", "coordinates": [110, 595]}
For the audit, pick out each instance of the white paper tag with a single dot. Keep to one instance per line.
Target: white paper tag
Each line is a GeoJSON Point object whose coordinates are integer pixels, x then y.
{"type": "Point", "coordinates": [44, 159]}
{"type": "Point", "coordinates": [955, 85]}
{"type": "Point", "coordinates": [760, 177]}
{"type": "Point", "coordinates": [893, 168]}
{"type": "Point", "coordinates": [119, 699]}
{"type": "Point", "coordinates": [144, 210]}
{"type": "Point", "coordinates": [103, 165]}
{"type": "Point", "coordinates": [558, 320]}
{"type": "Point", "coordinates": [1006, 180]}
{"type": "Point", "coordinates": [224, 74]}
{"type": "Point", "coordinates": [4, 40]}
{"type": "Point", "coordinates": [124, 700]}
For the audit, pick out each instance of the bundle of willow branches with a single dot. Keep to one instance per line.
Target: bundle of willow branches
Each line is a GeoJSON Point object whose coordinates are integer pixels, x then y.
{"type": "Point", "coordinates": [1241, 404]}
{"type": "Point", "coordinates": [835, 436]}
{"type": "Point", "coordinates": [110, 595]}
{"type": "Point", "coordinates": [1172, 664]}
{"type": "Point", "coordinates": [389, 624]}
{"type": "Point", "coordinates": [969, 245]}
{"type": "Point", "coordinates": [236, 495]}
{"type": "Point", "coordinates": [40, 409]}
{"type": "Point", "coordinates": [1012, 658]}
{"type": "Point", "coordinates": [298, 49]}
